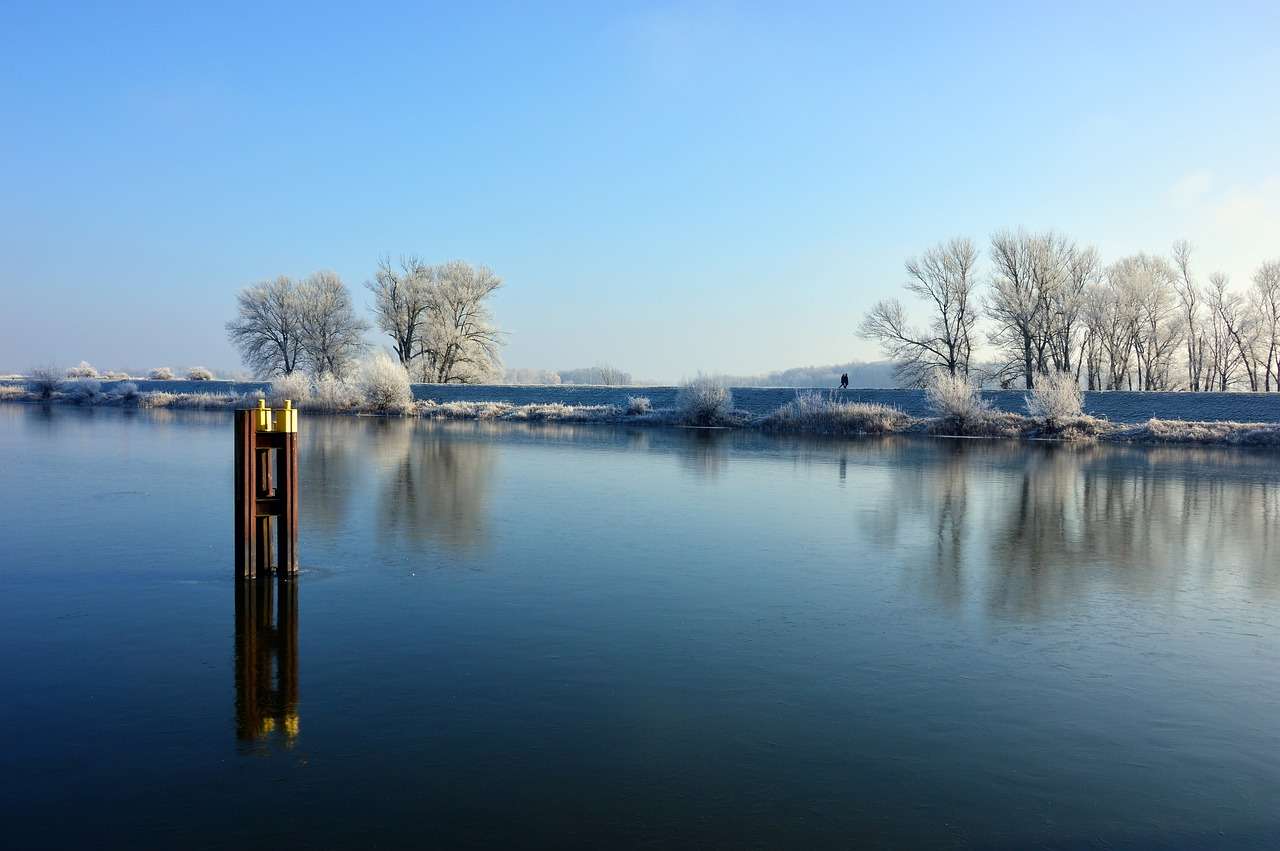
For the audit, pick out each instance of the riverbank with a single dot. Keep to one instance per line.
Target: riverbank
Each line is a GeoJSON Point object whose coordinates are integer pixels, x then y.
{"type": "Point", "coordinates": [807, 414]}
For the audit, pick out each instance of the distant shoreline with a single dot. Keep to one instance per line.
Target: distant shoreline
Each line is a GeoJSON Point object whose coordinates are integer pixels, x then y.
{"type": "Point", "coordinates": [822, 414]}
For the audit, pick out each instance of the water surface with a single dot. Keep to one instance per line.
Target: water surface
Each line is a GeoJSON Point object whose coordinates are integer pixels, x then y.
{"type": "Point", "coordinates": [599, 637]}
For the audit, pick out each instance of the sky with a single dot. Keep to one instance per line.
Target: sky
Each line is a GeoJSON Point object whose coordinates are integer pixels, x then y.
{"type": "Point", "coordinates": [668, 188]}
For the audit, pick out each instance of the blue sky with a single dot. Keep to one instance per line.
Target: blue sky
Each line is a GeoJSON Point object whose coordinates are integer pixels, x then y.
{"type": "Point", "coordinates": [668, 188]}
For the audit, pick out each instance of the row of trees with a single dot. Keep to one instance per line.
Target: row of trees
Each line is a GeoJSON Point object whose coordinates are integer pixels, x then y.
{"type": "Point", "coordinates": [436, 316]}
{"type": "Point", "coordinates": [1049, 305]}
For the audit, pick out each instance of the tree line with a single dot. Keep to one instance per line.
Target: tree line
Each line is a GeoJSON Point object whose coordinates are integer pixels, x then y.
{"type": "Point", "coordinates": [1049, 305]}
{"type": "Point", "coordinates": [436, 316]}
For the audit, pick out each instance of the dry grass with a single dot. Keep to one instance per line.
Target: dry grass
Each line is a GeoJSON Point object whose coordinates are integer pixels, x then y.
{"type": "Point", "coordinates": [988, 424]}
{"type": "Point", "coordinates": [506, 411]}
{"type": "Point", "coordinates": [1182, 431]}
{"type": "Point", "coordinates": [813, 413]}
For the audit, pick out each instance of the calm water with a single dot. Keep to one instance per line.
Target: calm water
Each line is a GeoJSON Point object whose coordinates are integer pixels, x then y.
{"type": "Point", "coordinates": [593, 637]}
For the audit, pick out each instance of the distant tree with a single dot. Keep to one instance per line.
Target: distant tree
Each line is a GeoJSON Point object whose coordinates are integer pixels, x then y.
{"type": "Point", "coordinates": [608, 376]}
{"type": "Point", "coordinates": [268, 328]}
{"type": "Point", "coordinates": [403, 299]}
{"type": "Point", "coordinates": [332, 334]}
{"type": "Point", "coordinates": [83, 370]}
{"type": "Point", "coordinates": [945, 277]}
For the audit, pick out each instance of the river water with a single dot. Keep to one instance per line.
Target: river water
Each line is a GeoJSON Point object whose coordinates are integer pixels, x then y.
{"type": "Point", "coordinates": [585, 636]}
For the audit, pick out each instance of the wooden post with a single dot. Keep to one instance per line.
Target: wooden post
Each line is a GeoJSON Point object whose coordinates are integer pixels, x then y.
{"type": "Point", "coordinates": [245, 502]}
{"type": "Point", "coordinates": [266, 490]}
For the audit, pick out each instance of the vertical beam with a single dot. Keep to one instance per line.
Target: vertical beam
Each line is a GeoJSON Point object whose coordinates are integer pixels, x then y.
{"type": "Point", "coordinates": [287, 492]}
{"type": "Point", "coordinates": [245, 495]}
{"type": "Point", "coordinates": [287, 658]}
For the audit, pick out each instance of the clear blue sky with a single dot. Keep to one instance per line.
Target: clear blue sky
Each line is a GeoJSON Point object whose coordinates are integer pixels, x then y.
{"type": "Point", "coordinates": [668, 188]}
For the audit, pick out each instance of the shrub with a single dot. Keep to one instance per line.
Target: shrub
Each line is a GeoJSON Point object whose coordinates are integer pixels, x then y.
{"type": "Point", "coordinates": [199, 373]}
{"type": "Point", "coordinates": [384, 384]}
{"type": "Point", "coordinates": [813, 413]}
{"type": "Point", "coordinates": [84, 391]}
{"type": "Point", "coordinates": [43, 382]}
{"type": "Point", "coordinates": [1056, 399]}
{"type": "Point", "coordinates": [953, 397]}
{"type": "Point", "coordinates": [638, 405]}
{"type": "Point", "coordinates": [296, 387]}
{"type": "Point", "coordinates": [126, 391]}
{"type": "Point", "coordinates": [704, 401]}
{"type": "Point", "coordinates": [334, 395]}
{"type": "Point", "coordinates": [160, 373]}
{"type": "Point", "coordinates": [115, 375]}
{"type": "Point", "coordinates": [84, 370]}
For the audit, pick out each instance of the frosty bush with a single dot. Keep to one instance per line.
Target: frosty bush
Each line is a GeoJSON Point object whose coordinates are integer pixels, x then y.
{"type": "Point", "coordinates": [637, 405]}
{"type": "Point", "coordinates": [126, 391]}
{"type": "Point", "coordinates": [1056, 399]}
{"type": "Point", "coordinates": [295, 387]}
{"type": "Point", "coordinates": [333, 395]}
{"type": "Point", "coordinates": [160, 373]}
{"type": "Point", "coordinates": [115, 375]}
{"type": "Point", "coordinates": [84, 370]}
{"type": "Point", "coordinates": [384, 384]}
{"type": "Point", "coordinates": [953, 397]}
{"type": "Point", "coordinates": [813, 413]}
{"type": "Point", "coordinates": [43, 381]}
{"type": "Point", "coordinates": [704, 401]}
{"type": "Point", "coordinates": [84, 391]}
{"type": "Point", "coordinates": [199, 373]}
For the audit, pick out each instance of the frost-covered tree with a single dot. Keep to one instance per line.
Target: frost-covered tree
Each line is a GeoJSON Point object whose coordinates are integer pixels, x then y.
{"type": "Point", "coordinates": [461, 343]}
{"type": "Point", "coordinates": [1194, 336]}
{"type": "Point", "coordinates": [1026, 270]}
{"type": "Point", "coordinates": [332, 333]}
{"type": "Point", "coordinates": [268, 328]}
{"type": "Point", "coordinates": [402, 300]}
{"type": "Point", "coordinates": [945, 277]}
{"type": "Point", "coordinates": [1264, 300]}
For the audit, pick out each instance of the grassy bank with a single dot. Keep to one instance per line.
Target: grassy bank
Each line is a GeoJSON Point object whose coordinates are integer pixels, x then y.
{"type": "Point", "coordinates": [807, 414]}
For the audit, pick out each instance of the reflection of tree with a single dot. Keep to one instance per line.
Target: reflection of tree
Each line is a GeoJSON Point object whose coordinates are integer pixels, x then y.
{"type": "Point", "coordinates": [331, 454]}
{"type": "Point", "coordinates": [266, 642]}
{"type": "Point", "coordinates": [1027, 530]}
{"type": "Point", "coordinates": [436, 485]}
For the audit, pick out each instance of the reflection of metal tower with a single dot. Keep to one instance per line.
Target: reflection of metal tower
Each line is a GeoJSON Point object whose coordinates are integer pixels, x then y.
{"type": "Point", "coordinates": [265, 704]}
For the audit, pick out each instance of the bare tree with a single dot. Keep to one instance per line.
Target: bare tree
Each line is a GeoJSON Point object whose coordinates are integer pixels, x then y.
{"type": "Point", "coordinates": [1027, 271]}
{"type": "Point", "coordinates": [1237, 332]}
{"type": "Point", "coordinates": [332, 334]}
{"type": "Point", "coordinates": [402, 305]}
{"type": "Point", "coordinates": [1148, 284]}
{"type": "Point", "coordinates": [1265, 307]}
{"type": "Point", "coordinates": [1066, 306]}
{"type": "Point", "coordinates": [461, 344]}
{"type": "Point", "coordinates": [945, 276]}
{"type": "Point", "coordinates": [267, 329]}
{"type": "Point", "coordinates": [1193, 330]}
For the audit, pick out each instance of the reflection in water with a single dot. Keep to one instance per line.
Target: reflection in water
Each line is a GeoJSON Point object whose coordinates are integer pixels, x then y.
{"type": "Point", "coordinates": [331, 455]}
{"type": "Point", "coordinates": [266, 660]}
{"type": "Point", "coordinates": [436, 487]}
{"type": "Point", "coordinates": [705, 452]}
{"type": "Point", "coordinates": [1026, 531]}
